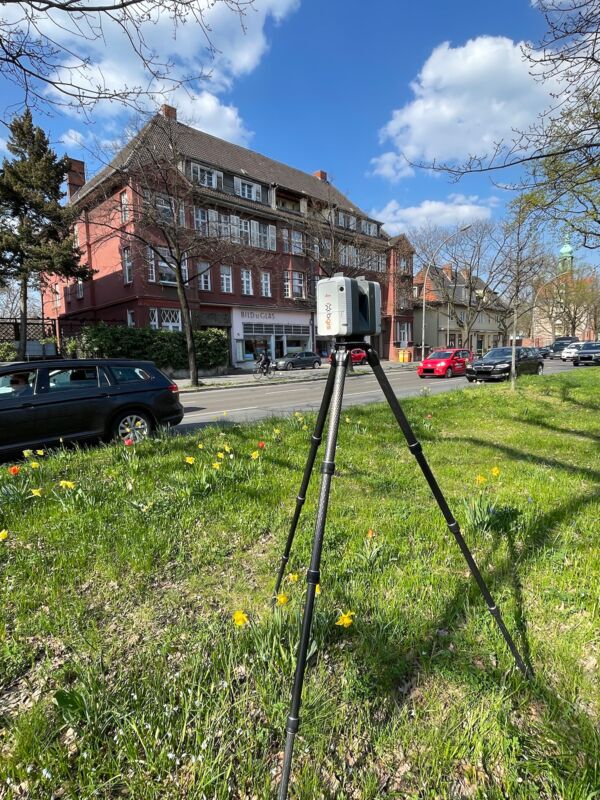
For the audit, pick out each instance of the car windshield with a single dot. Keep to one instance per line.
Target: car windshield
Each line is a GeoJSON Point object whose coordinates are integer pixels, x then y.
{"type": "Point", "coordinates": [498, 352]}
{"type": "Point", "coordinates": [591, 346]}
{"type": "Point", "coordinates": [440, 354]}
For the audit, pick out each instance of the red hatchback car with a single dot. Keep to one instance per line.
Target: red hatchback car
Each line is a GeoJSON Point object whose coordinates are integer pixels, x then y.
{"type": "Point", "coordinates": [358, 356]}
{"type": "Point", "coordinates": [445, 363]}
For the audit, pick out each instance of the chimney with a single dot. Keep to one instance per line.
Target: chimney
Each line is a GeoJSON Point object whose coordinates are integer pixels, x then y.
{"type": "Point", "coordinates": [321, 175]}
{"type": "Point", "coordinates": [75, 176]}
{"type": "Point", "coordinates": [169, 112]}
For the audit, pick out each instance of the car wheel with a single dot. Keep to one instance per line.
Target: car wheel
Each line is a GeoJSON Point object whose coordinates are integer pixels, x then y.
{"type": "Point", "coordinates": [540, 369]}
{"type": "Point", "coordinates": [289, 366]}
{"type": "Point", "coordinates": [470, 380]}
{"type": "Point", "coordinates": [448, 373]}
{"type": "Point", "coordinates": [131, 425]}
{"type": "Point", "coordinates": [316, 364]}
{"type": "Point", "coordinates": [364, 362]}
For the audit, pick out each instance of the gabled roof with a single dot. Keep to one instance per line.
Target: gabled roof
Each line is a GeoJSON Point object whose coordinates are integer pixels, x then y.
{"type": "Point", "coordinates": [159, 132]}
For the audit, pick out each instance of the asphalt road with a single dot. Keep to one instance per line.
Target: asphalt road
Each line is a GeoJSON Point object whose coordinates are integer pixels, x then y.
{"type": "Point", "coordinates": [278, 398]}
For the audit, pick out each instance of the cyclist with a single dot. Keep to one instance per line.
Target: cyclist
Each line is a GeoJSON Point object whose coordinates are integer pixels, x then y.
{"type": "Point", "coordinates": [264, 362]}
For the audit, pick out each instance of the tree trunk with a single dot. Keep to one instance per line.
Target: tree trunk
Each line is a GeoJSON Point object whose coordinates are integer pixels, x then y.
{"type": "Point", "coordinates": [22, 348]}
{"type": "Point", "coordinates": [513, 356]}
{"type": "Point", "coordinates": [186, 321]}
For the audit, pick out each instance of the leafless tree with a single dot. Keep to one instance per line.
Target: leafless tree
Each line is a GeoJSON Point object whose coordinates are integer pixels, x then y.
{"type": "Point", "coordinates": [165, 223]}
{"type": "Point", "coordinates": [10, 295]}
{"type": "Point", "coordinates": [47, 46]}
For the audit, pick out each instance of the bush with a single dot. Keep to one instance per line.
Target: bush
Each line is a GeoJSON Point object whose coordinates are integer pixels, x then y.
{"type": "Point", "coordinates": [166, 349]}
{"type": "Point", "coordinates": [7, 352]}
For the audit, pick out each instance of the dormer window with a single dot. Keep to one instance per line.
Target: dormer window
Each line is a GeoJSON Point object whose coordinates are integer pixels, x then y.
{"type": "Point", "coordinates": [368, 227]}
{"type": "Point", "coordinates": [248, 190]}
{"type": "Point", "coordinates": [203, 175]}
{"type": "Point", "coordinates": [346, 220]}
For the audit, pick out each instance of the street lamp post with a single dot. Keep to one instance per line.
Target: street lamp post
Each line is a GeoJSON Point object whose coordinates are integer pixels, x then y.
{"type": "Point", "coordinates": [431, 263]}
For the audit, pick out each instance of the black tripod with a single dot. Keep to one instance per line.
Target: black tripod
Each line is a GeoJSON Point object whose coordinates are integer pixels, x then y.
{"type": "Point", "coordinates": [332, 400]}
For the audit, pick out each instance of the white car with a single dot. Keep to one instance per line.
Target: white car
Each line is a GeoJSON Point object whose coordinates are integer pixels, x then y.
{"type": "Point", "coordinates": [571, 351]}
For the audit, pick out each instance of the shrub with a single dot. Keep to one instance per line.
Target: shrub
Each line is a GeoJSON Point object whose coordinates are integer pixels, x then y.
{"type": "Point", "coordinates": [7, 352]}
{"type": "Point", "coordinates": [165, 348]}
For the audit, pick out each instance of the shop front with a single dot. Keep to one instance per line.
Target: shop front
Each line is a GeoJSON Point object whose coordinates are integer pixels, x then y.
{"type": "Point", "coordinates": [277, 332]}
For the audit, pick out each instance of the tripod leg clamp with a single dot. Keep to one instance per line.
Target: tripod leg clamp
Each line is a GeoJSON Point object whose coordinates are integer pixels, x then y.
{"type": "Point", "coordinates": [292, 725]}
{"type": "Point", "coordinates": [313, 576]}
{"type": "Point", "coordinates": [415, 448]}
{"type": "Point", "coordinates": [328, 467]}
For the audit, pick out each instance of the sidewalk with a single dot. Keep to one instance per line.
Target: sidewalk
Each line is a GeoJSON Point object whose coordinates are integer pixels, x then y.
{"type": "Point", "coordinates": [296, 376]}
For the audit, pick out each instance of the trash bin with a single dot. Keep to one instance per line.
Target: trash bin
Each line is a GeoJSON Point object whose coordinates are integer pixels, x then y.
{"type": "Point", "coordinates": [403, 356]}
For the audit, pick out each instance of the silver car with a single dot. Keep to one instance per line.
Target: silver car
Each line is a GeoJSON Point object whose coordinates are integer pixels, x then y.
{"type": "Point", "coordinates": [569, 353]}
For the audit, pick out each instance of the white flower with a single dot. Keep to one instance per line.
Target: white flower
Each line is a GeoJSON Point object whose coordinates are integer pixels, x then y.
{"type": "Point", "coordinates": [46, 773]}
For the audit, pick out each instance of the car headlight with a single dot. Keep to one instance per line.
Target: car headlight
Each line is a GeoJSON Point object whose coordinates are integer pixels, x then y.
{"type": "Point", "coordinates": [470, 366]}
{"type": "Point", "coordinates": [502, 366]}
{"type": "Point", "coordinates": [441, 363]}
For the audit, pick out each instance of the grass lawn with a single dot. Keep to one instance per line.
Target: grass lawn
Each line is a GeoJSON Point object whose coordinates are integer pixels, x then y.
{"type": "Point", "coordinates": [122, 673]}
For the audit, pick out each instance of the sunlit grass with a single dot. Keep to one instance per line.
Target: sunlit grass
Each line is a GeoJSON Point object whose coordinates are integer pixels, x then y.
{"type": "Point", "coordinates": [140, 657]}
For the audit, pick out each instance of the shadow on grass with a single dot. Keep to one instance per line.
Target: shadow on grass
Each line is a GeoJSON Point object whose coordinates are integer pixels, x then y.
{"type": "Point", "coordinates": [555, 429]}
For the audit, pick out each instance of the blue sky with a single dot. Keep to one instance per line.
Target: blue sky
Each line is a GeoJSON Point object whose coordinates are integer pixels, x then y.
{"type": "Point", "coordinates": [348, 87]}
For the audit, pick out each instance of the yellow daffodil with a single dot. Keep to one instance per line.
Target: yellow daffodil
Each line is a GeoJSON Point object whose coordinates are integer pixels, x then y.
{"type": "Point", "coordinates": [305, 427]}
{"type": "Point", "coordinates": [224, 413]}
{"type": "Point", "coordinates": [227, 447]}
{"type": "Point", "coordinates": [66, 485]}
{"type": "Point", "coordinates": [220, 455]}
{"type": "Point", "coordinates": [216, 465]}
{"type": "Point", "coordinates": [276, 431]}
{"type": "Point", "coordinates": [36, 492]}
{"type": "Point", "coordinates": [255, 454]}
{"type": "Point", "coordinates": [347, 419]}
{"type": "Point", "coordinates": [318, 589]}
{"type": "Point", "coordinates": [297, 414]}
{"type": "Point", "coordinates": [345, 620]}
{"type": "Point", "coordinates": [3, 535]}
{"type": "Point", "coordinates": [34, 464]}
{"type": "Point", "coordinates": [282, 599]}
{"type": "Point", "coordinates": [200, 446]}
{"type": "Point", "coordinates": [39, 452]}
{"type": "Point", "coordinates": [480, 479]}
{"type": "Point", "coordinates": [293, 577]}
{"type": "Point", "coordinates": [240, 618]}
{"type": "Point", "coordinates": [190, 460]}
{"type": "Point", "coordinates": [27, 453]}
{"type": "Point", "coordinates": [495, 471]}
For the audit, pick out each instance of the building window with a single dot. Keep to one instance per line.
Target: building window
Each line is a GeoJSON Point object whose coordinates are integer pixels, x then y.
{"type": "Point", "coordinates": [298, 290]}
{"type": "Point", "coordinates": [224, 230]}
{"type": "Point", "coordinates": [68, 292]}
{"type": "Point", "coordinates": [287, 284]}
{"type": "Point", "coordinates": [346, 220]}
{"type": "Point", "coordinates": [200, 220]}
{"type": "Point", "coordinates": [226, 280]}
{"type": "Point", "coordinates": [265, 284]}
{"type": "Point", "coordinates": [203, 176]}
{"type": "Point", "coordinates": [124, 206]}
{"type": "Point", "coordinates": [403, 333]}
{"type": "Point", "coordinates": [370, 228]}
{"type": "Point", "coordinates": [285, 240]}
{"type": "Point", "coordinates": [161, 262]}
{"type": "Point", "coordinates": [245, 231]}
{"type": "Point", "coordinates": [79, 289]}
{"type": "Point", "coordinates": [297, 245]}
{"type": "Point", "coordinates": [153, 318]}
{"type": "Point", "coordinates": [170, 319]}
{"type": "Point", "coordinates": [204, 277]}
{"type": "Point", "coordinates": [246, 281]}
{"type": "Point", "coordinates": [130, 318]}
{"type": "Point", "coordinates": [56, 297]}
{"type": "Point", "coordinates": [151, 266]}
{"type": "Point", "coordinates": [247, 190]}
{"type": "Point", "coordinates": [127, 265]}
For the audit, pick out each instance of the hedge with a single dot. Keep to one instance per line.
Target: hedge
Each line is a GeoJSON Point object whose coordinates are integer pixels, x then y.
{"type": "Point", "coordinates": [165, 348]}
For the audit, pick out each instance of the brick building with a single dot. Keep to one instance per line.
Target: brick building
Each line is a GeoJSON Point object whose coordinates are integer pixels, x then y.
{"type": "Point", "coordinates": [256, 234]}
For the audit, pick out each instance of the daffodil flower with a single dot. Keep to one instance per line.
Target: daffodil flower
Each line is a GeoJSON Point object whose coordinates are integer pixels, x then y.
{"type": "Point", "coordinates": [66, 485]}
{"type": "Point", "coordinates": [190, 460]}
{"type": "Point", "coordinates": [34, 464]}
{"type": "Point", "coordinates": [305, 427]}
{"type": "Point", "coordinates": [39, 452]}
{"type": "Point", "coordinates": [347, 419]}
{"type": "Point", "coordinates": [200, 446]}
{"type": "Point", "coordinates": [227, 447]}
{"type": "Point", "coordinates": [495, 471]}
{"type": "Point", "coordinates": [480, 479]}
{"type": "Point", "coordinates": [3, 535]}
{"type": "Point", "coordinates": [216, 465]}
{"type": "Point", "coordinates": [220, 455]}
{"type": "Point", "coordinates": [293, 577]}
{"type": "Point", "coordinates": [36, 492]}
{"type": "Point", "coordinates": [318, 589]}
{"type": "Point", "coordinates": [276, 431]}
{"type": "Point", "coordinates": [240, 618]}
{"type": "Point", "coordinates": [255, 454]}
{"type": "Point", "coordinates": [282, 599]}
{"type": "Point", "coordinates": [27, 453]}
{"type": "Point", "coordinates": [345, 619]}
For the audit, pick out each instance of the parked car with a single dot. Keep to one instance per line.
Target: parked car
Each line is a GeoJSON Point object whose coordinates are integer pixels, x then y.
{"type": "Point", "coordinates": [560, 344]}
{"type": "Point", "coordinates": [299, 361]}
{"type": "Point", "coordinates": [571, 351]}
{"type": "Point", "coordinates": [445, 363]}
{"type": "Point", "coordinates": [544, 351]}
{"type": "Point", "coordinates": [495, 365]}
{"type": "Point", "coordinates": [358, 356]}
{"type": "Point", "coordinates": [588, 355]}
{"type": "Point", "coordinates": [44, 402]}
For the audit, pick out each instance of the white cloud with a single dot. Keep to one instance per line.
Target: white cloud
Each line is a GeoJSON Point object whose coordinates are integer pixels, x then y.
{"type": "Point", "coordinates": [3, 147]}
{"type": "Point", "coordinates": [457, 209]}
{"type": "Point", "coordinates": [206, 112]}
{"type": "Point", "coordinates": [465, 99]}
{"type": "Point", "coordinates": [73, 139]}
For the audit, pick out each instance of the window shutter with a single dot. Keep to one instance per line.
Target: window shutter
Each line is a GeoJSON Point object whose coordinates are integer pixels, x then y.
{"type": "Point", "coordinates": [234, 227]}
{"type": "Point", "coordinates": [254, 233]}
{"type": "Point", "coordinates": [272, 237]}
{"type": "Point", "coordinates": [258, 194]}
{"type": "Point", "coordinates": [151, 266]}
{"type": "Point", "coordinates": [237, 186]}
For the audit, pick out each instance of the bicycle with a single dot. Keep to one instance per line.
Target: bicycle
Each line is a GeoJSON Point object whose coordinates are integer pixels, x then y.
{"type": "Point", "coordinates": [262, 372]}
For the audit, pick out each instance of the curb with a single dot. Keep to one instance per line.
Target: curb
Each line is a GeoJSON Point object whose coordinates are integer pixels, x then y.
{"type": "Point", "coordinates": [300, 379]}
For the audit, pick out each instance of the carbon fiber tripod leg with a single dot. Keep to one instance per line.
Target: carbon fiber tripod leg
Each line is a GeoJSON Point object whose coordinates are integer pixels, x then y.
{"type": "Point", "coordinates": [315, 441]}
{"type": "Point", "coordinates": [415, 448]}
{"type": "Point", "coordinates": [313, 576]}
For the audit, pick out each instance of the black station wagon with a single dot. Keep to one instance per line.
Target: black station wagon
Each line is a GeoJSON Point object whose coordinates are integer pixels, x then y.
{"type": "Point", "coordinates": [43, 402]}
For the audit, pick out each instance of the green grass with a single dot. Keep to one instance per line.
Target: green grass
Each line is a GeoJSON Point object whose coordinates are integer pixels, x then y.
{"type": "Point", "coordinates": [123, 675]}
